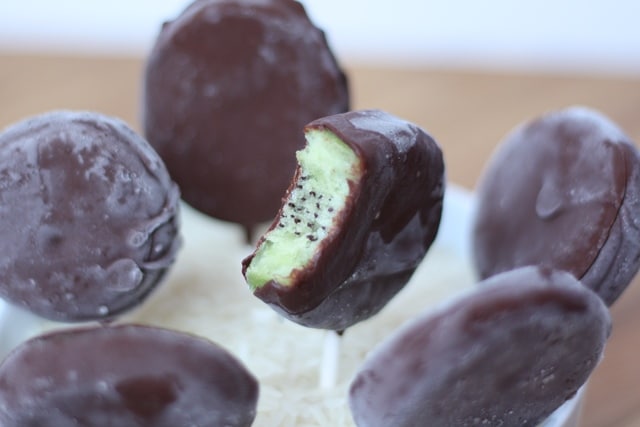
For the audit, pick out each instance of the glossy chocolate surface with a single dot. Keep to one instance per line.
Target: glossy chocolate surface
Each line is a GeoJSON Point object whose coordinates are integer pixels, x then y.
{"type": "Point", "coordinates": [229, 86]}
{"type": "Point", "coordinates": [89, 216]}
{"type": "Point", "coordinates": [507, 354]}
{"type": "Point", "coordinates": [561, 191]}
{"type": "Point", "coordinates": [125, 376]}
{"type": "Point", "coordinates": [391, 220]}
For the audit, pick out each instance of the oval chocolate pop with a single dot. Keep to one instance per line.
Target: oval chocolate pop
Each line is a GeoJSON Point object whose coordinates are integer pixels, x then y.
{"type": "Point", "coordinates": [508, 354]}
{"type": "Point", "coordinates": [89, 216]}
{"type": "Point", "coordinates": [361, 212]}
{"type": "Point", "coordinates": [563, 191]}
{"type": "Point", "coordinates": [228, 86]}
{"type": "Point", "coordinates": [125, 376]}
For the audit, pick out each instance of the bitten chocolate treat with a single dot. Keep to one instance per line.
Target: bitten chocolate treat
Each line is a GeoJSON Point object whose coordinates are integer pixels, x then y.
{"type": "Point", "coordinates": [229, 86]}
{"type": "Point", "coordinates": [563, 191]}
{"type": "Point", "coordinates": [125, 376]}
{"type": "Point", "coordinates": [89, 216]}
{"type": "Point", "coordinates": [507, 354]}
{"type": "Point", "coordinates": [361, 212]}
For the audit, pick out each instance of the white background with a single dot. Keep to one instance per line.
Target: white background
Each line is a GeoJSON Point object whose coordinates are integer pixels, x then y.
{"type": "Point", "coordinates": [588, 36]}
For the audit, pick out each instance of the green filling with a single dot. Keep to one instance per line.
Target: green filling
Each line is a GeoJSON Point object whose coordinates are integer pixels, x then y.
{"type": "Point", "coordinates": [308, 214]}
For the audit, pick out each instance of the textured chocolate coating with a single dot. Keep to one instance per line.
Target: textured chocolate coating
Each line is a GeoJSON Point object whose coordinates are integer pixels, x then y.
{"type": "Point", "coordinates": [89, 216]}
{"type": "Point", "coordinates": [563, 191]}
{"type": "Point", "coordinates": [125, 376]}
{"type": "Point", "coordinates": [507, 354]}
{"type": "Point", "coordinates": [229, 86]}
{"type": "Point", "coordinates": [391, 220]}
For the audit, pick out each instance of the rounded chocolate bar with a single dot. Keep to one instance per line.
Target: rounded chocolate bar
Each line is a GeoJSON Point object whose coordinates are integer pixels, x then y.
{"type": "Point", "coordinates": [508, 354]}
{"type": "Point", "coordinates": [562, 191]}
{"type": "Point", "coordinates": [358, 218]}
{"type": "Point", "coordinates": [229, 86]}
{"type": "Point", "coordinates": [124, 376]}
{"type": "Point", "coordinates": [89, 216]}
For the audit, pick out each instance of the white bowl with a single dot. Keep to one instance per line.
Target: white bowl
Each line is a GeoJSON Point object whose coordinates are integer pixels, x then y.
{"type": "Point", "coordinates": [194, 265]}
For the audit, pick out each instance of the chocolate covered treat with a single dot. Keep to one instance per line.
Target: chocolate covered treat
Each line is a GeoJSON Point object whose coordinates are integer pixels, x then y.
{"type": "Point", "coordinates": [563, 191]}
{"type": "Point", "coordinates": [89, 216]}
{"type": "Point", "coordinates": [507, 354]}
{"type": "Point", "coordinates": [124, 376]}
{"type": "Point", "coordinates": [361, 212]}
{"type": "Point", "coordinates": [229, 86]}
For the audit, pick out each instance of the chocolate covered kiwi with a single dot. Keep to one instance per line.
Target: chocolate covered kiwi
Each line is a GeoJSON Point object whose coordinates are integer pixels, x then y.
{"type": "Point", "coordinates": [361, 212]}
{"type": "Point", "coordinates": [124, 376]}
{"type": "Point", "coordinates": [507, 354]}
{"type": "Point", "coordinates": [563, 191]}
{"type": "Point", "coordinates": [228, 87]}
{"type": "Point", "coordinates": [89, 216]}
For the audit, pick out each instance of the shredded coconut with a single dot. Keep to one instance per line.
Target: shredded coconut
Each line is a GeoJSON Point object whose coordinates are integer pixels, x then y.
{"type": "Point", "coordinates": [206, 295]}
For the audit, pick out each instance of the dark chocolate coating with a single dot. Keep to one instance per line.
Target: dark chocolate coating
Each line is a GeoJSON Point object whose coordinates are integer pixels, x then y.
{"type": "Point", "coordinates": [229, 86]}
{"type": "Point", "coordinates": [563, 191]}
{"type": "Point", "coordinates": [507, 354]}
{"type": "Point", "coordinates": [391, 220]}
{"type": "Point", "coordinates": [124, 376]}
{"type": "Point", "coordinates": [89, 216]}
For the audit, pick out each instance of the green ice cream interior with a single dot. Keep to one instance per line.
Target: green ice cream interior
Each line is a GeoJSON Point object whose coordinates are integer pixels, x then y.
{"type": "Point", "coordinates": [309, 212]}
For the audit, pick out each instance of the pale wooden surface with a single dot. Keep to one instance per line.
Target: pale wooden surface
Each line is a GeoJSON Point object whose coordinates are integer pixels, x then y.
{"type": "Point", "coordinates": [468, 113]}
